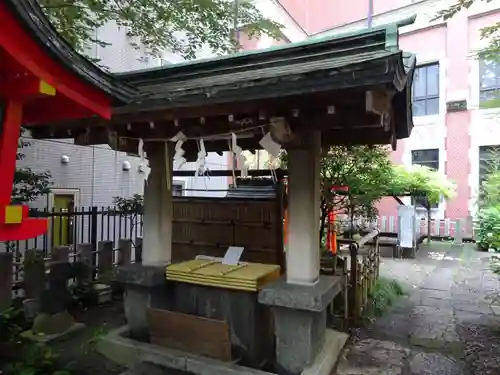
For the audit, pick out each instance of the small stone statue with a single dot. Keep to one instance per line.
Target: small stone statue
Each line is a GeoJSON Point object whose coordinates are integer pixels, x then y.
{"type": "Point", "coordinates": [54, 301]}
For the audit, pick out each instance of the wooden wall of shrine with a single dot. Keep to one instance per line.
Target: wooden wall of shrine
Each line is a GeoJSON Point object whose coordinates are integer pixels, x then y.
{"type": "Point", "coordinates": [208, 226]}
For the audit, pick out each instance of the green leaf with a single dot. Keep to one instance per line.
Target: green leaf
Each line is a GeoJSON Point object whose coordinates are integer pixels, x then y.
{"type": "Point", "coordinates": [182, 26]}
{"type": "Point", "coordinates": [370, 176]}
{"type": "Point", "coordinates": [490, 33]}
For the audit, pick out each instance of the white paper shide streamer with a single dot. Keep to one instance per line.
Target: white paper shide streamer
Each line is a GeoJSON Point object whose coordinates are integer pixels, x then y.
{"type": "Point", "coordinates": [238, 153]}
{"type": "Point", "coordinates": [273, 148]}
{"type": "Point", "coordinates": [142, 155]}
{"type": "Point", "coordinates": [268, 144]}
{"type": "Point", "coordinates": [179, 158]}
{"type": "Point", "coordinates": [140, 149]}
{"type": "Point", "coordinates": [201, 163]}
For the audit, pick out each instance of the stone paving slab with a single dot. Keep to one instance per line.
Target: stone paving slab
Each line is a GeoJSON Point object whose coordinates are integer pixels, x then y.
{"type": "Point", "coordinates": [437, 294]}
{"type": "Point", "coordinates": [495, 309]}
{"type": "Point", "coordinates": [475, 297]}
{"type": "Point", "coordinates": [441, 279]}
{"type": "Point", "coordinates": [434, 298]}
{"type": "Point", "coordinates": [395, 327]}
{"type": "Point", "coordinates": [373, 357]}
{"type": "Point", "coordinates": [435, 364]}
{"type": "Point", "coordinates": [448, 325]}
{"type": "Point", "coordinates": [434, 328]}
{"type": "Point", "coordinates": [482, 309]}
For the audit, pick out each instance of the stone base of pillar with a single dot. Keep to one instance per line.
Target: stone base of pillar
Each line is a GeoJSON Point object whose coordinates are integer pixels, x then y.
{"type": "Point", "coordinates": [408, 252]}
{"type": "Point", "coordinates": [300, 324]}
{"type": "Point", "coordinates": [145, 287]}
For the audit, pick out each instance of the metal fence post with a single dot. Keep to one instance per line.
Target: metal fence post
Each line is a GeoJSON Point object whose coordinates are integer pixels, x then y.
{"type": "Point", "coordinates": [458, 237]}
{"type": "Point", "coordinates": [353, 252]}
{"type": "Point", "coordinates": [93, 238]}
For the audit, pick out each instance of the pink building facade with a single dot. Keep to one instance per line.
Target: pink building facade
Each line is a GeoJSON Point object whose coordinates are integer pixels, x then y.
{"type": "Point", "coordinates": [452, 133]}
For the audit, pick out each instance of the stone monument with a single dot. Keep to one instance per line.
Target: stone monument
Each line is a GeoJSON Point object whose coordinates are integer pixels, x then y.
{"type": "Point", "coordinates": [54, 322]}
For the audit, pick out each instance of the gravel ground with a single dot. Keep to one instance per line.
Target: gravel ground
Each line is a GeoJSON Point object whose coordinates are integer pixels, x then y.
{"type": "Point", "coordinates": [78, 351]}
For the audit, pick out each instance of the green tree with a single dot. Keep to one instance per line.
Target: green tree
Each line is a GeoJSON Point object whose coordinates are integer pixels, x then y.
{"type": "Point", "coordinates": [365, 170]}
{"type": "Point", "coordinates": [488, 202]}
{"type": "Point", "coordinates": [489, 189]}
{"type": "Point", "coordinates": [370, 175]}
{"type": "Point", "coordinates": [420, 180]}
{"type": "Point", "coordinates": [427, 183]}
{"type": "Point", "coordinates": [491, 33]}
{"type": "Point", "coordinates": [130, 208]}
{"type": "Point", "coordinates": [182, 27]}
{"type": "Point", "coordinates": [28, 184]}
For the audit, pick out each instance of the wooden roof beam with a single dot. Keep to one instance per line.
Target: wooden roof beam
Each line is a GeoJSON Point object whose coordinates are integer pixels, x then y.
{"type": "Point", "coordinates": [272, 107]}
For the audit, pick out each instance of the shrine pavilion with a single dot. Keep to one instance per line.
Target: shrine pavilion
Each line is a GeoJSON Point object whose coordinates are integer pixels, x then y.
{"type": "Point", "coordinates": [346, 89]}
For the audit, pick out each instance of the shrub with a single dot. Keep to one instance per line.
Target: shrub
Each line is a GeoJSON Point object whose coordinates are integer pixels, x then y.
{"type": "Point", "coordinates": [495, 265]}
{"type": "Point", "coordinates": [384, 294]}
{"type": "Point", "coordinates": [21, 357]}
{"type": "Point", "coordinates": [488, 228]}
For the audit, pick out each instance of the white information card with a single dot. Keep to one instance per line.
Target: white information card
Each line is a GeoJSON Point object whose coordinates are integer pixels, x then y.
{"type": "Point", "coordinates": [233, 255]}
{"type": "Point", "coordinates": [407, 226]}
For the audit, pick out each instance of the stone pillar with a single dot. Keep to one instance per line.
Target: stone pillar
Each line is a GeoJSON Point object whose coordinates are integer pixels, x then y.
{"type": "Point", "coordinates": [105, 257]}
{"type": "Point", "coordinates": [84, 258]}
{"type": "Point", "coordinates": [54, 319]}
{"type": "Point", "coordinates": [157, 232]}
{"type": "Point", "coordinates": [145, 287]}
{"type": "Point", "coordinates": [34, 282]}
{"type": "Point", "coordinates": [302, 257]}
{"type": "Point", "coordinates": [302, 340]}
{"type": "Point", "coordinates": [5, 280]}
{"type": "Point", "coordinates": [138, 250]}
{"type": "Point", "coordinates": [458, 237]}
{"type": "Point", "coordinates": [124, 252]}
{"type": "Point", "coordinates": [60, 254]}
{"type": "Point", "coordinates": [469, 228]}
{"type": "Point", "coordinates": [145, 282]}
{"type": "Point", "coordinates": [34, 274]}
{"type": "Point", "coordinates": [299, 301]}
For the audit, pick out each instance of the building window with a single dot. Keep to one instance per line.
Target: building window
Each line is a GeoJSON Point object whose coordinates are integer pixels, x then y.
{"type": "Point", "coordinates": [489, 158]}
{"type": "Point", "coordinates": [426, 90]}
{"type": "Point", "coordinates": [489, 80]}
{"type": "Point", "coordinates": [427, 158]}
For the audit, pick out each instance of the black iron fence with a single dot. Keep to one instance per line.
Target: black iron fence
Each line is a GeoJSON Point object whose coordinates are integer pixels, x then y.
{"type": "Point", "coordinates": [81, 225]}
{"type": "Point", "coordinates": [70, 228]}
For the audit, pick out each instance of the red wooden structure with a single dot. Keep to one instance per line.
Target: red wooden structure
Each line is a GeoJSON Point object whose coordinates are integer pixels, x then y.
{"type": "Point", "coordinates": [331, 235]}
{"type": "Point", "coordinates": [41, 80]}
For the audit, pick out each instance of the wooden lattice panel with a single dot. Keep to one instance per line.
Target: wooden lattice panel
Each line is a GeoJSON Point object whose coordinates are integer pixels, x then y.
{"type": "Point", "coordinates": [208, 226]}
